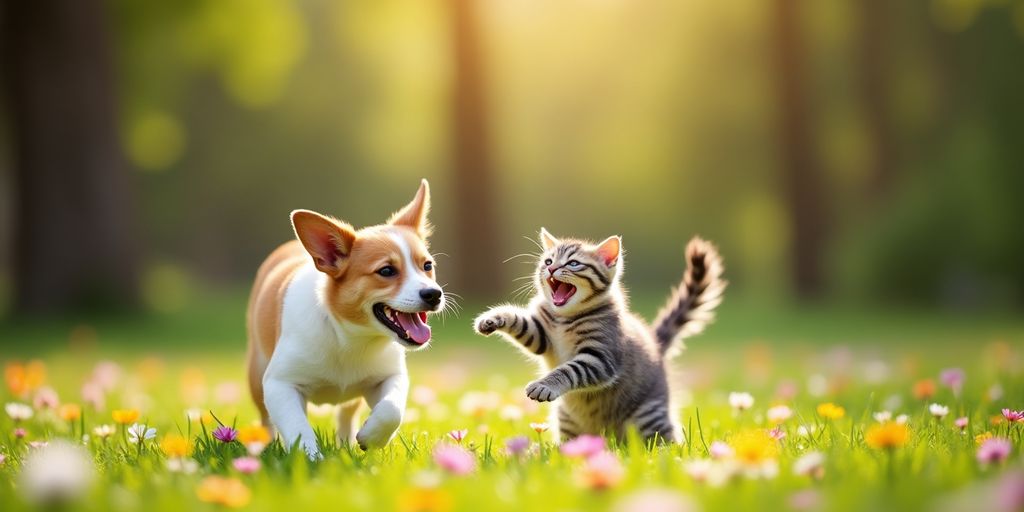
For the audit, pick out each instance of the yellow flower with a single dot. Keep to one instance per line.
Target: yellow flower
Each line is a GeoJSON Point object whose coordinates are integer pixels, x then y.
{"type": "Point", "coordinates": [887, 436]}
{"type": "Point", "coordinates": [70, 412]}
{"type": "Point", "coordinates": [981, 438]}
{"type": "Point", "coordinates": [230, 492]}
{"type": "Point", "coordinates": [125, 416]}
{"type": "Point", "coordinates": [829, 410]}
{"type": "Point", "coordinates": [253, 434]}
{"type": "Point", "coordinates": [754, 446]}
{"type": "Point", "coordinates": [420, 499]}
{"type": "Point", "coordinates": [175, 445]}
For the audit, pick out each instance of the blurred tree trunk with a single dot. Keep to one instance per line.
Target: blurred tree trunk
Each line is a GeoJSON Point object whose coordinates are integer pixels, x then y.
{"type": "Point", "coordinates": [72, 242]}
{"type": "Point", "coordinates": [873, 41]}
{"type": "Point", "coordinates": [473, 168]}
{"type": "Point", "coordinates": [801, 170]}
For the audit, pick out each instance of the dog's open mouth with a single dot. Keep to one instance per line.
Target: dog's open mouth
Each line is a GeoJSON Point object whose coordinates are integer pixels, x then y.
{"type": "Point", "coordinates": [410, 327]}
{"type": "Point", "coordinates": [561, 292]}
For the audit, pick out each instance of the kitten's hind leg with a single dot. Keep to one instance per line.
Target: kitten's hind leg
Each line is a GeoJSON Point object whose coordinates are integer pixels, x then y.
{"type": "Point", "coordinates": [568, 428]}
{"type": "Point", "coordinates": [652, 421]}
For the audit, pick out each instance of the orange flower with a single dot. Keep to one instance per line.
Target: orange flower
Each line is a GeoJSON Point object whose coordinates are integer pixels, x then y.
{"type": "Point", "coordinates": [125, 416]}
{"type": "Point", "coordinates": [230, 492]}
{"type": "Point", "coordinates": [175, 445]}
{"type": "Point", "coordinates": [420, 499]}
{"type": "Point", "coordinates": [253, 434]}
{"type": "Point", "coordinates": [996, 419]}
{"type": "Point", "coordinates": [887, 436]}
{"type": "Point", "coordinates": [753, 447]}
{"type": "Point", "coordinates": [70, 412]}
{"type": "Point", "coordinates": [831, 411]}
{"type": "Point", "coordinates": [924, 389]}
{"type": "Point", "coordinates": [14, 376]}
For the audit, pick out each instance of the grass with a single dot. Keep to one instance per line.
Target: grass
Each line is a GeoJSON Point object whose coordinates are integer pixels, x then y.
{"type": "Point", "coordinates": [862, 361]}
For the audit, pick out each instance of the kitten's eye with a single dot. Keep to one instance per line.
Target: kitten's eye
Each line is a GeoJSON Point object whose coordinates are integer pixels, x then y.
{"type": "Point", "coordinates": [574, 263]}
{"type": "Point", "coordinates": [428, 266]}
{"type": "Point", "coordinates": [387, 271]}
{"type": "Point", "coordinates": [547, 261]}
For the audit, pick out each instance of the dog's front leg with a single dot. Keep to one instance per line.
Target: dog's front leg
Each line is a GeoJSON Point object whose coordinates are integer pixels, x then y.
{"type": "Point", "coordinates": [387, 401]}
{"type": "Point", "coordinates": [287, 408]}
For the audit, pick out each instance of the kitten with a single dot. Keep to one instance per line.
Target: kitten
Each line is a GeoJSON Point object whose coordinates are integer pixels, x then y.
{"type": "Point", "coordinates": [606, 364]}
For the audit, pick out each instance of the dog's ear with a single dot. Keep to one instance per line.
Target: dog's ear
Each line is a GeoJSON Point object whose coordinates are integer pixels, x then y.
{"type": "Point", "coordinates": [328, 241]}
{"type": "Point", "coordinates": [547, 239]}
{"type": "Point", "coordinates": [414, 214]}
{"type": "Point", "coordinates": [609, 250]}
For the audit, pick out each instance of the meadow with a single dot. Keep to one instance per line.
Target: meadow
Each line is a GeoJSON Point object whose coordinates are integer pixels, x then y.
{"type": "Point", "coordinates": [783, 409]}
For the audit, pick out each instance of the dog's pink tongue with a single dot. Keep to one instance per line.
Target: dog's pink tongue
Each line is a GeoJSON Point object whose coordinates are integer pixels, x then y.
{"type": "Point", "coordinates": [560, 295]}
{"type": "Point", "coordinates": [418, 331]}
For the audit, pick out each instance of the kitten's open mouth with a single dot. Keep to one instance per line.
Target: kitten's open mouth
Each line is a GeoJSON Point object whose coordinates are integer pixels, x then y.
{"type": "Point", "coordinates": [411, 328]}
{"type": "Point", "coordinates": [561, 291]}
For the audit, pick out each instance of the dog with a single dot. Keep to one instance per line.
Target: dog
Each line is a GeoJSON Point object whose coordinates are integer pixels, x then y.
{"type": "Point", "coordinates": [331, 317]}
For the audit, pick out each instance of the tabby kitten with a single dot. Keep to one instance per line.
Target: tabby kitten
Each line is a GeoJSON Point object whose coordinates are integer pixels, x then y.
{"type": "Point", "coordinates": [606, 364]}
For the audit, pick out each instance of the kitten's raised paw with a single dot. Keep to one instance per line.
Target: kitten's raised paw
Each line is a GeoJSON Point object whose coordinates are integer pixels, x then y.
{"type": "Point", "coordinates": [487, 324]}
{"type": "Point", "coordinates": [541, 392]}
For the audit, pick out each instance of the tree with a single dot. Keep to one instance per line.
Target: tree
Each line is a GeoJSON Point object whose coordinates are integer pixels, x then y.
{"type": "Point", "coordinates": [73, 244]}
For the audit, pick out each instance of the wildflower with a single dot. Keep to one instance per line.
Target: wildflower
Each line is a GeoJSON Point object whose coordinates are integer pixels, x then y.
{"type": "Point", "coordinates": [230, 492]}
{"type": "Point", "coordinates": [777, 433]}
{"type": "Point", "coordinates": [454, 459]}
{"type": "Point", "coordinates": [246, 465]}
{"type": "Point", "coordinates": [225, 434]}
{"type": "Point", "coordinates": [479, 403]}
{"type": "Point", "coordinates": [35, 445]}
{"type": "Point", "coordinates": [20, 433]}
{"type": "Point", "coordinates": [458, 435]}
{"type": "Point", "coordinates": [754, 447]}
{"type": "Point", "coordinates": [961, 423]}
{"type": "Point", "coordinates": [106, 374]}
{"type": "Point", "coordinates": [539, 428]}
{"type": "Point", "coordinates": [511, 413]}
{"type": "Point", "coordinates": [656, 500]}
{"type": "Point", "coordinates": [902, 419]}
{"type": "Point", "coordinates": [585, 445]}
{"type": "Point", "coordinates": [981, 438]}
{"type": "Point", "coordinates": [1010, 415]}
{"type": "Point", "coordinates": [424, 499]}
{"type": "Point", "coordinates": [14, 376]}
{"type": "Point", "coordinates": [778, 414]}
{"type": "Point", "coordinates": [182, 465]}
{"type": "Point", "coordinates": [93, 394]}
{"type": "Point", "coordinates": [103, 431]}
{"type": "Point", "coordinates": [938, 411]}
{"type": "Point", "coordinates": [953, 378]}
{"type": "Point", "coordinates": [18, 411]}
{"type": "Point", "coordinates": [254, 437]}
{"type": "Point", "coordinates": [46, 398]}
{"type": "Point", "coordinates": [720, 450]}
{"type": "Point", "coordinates": [125, 416]}
{"type": "Point", "coordinates": [175, 445]}
{"type": "Point", "coordinates": [1009, 492]}
{"type": "Point", "coordinates": [139, 432]}
{"type": "Point", "coordinates": [882, 416]}
{"type": "Point", "coordinates": [70, 412]}
{"type": "Point", "coordinates": [601, 471]}
{"type": "Point", "coordinates": [740, 401]}
{"type": "Point", "coordinates": [810, 464]}
{"type": "Point", "coordinates": [924, 389]}
{"type": "Point", "coordinates": [56, 474]}
{"type": "Point", "coordinates": [831, 411]}
{"type": "Point", "coordinates": [887, 436]}
{"type": "Point", "coordinates": [993, 451]}
{"type": "Point", "coordinates": [517, 445]}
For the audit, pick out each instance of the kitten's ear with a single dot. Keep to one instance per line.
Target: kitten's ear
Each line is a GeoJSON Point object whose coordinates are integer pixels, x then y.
{"type": "Point", "coordinates": [414, 214]}
{"type": "Point", "coordinates": [328, 241]}
{"type": "Point", "coordinates": [609, 250]}
{"type": "Point", "coordinates": [547, 239]}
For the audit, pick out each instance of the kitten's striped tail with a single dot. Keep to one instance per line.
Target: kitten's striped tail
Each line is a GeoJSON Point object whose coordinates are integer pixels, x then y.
{"type": "Point", "coordinates": [691, 306]}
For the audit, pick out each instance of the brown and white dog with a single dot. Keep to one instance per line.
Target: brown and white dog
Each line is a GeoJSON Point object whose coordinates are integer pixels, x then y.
{"type": "Point", "coordinates": [330, 318]}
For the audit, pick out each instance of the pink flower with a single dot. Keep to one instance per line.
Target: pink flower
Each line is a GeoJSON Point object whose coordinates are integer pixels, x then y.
{"type": "Point", "coordinates": [225, 434]}
{"type": "Point", "coordinates": [1010, 491]}
{"type": "Point", "coordinates": [585, 445]}
{"type": "Point", "coordinates": [720, 450]}
{"type": "Point", "coordinates": [1013, 416]}
{"type": "Point", "coordinates": [458, 435]}
{"type": "Point", "coordinates": [247, 465]}
{"type": "Point", "coordinates": [517, 445]}
{"type": "Point", "coordinates": [20, 433]}
{"type": "Point", "coordinates": [805, 500]}
{"type": "Point", "coordinates": [993, 451]}
{"type": "Point", "coordinates": [601, 471]}
{"type": "Point", "coordinates": [46, 398]}
{"type": "Point", "coordinates": [777, 433]}
{"type": "Point", "coordinates": [93, 394]}
{"type": "Point", "coordinates": [953, 378]}
{"type": "Point", "coordinates": [961, 423]}
{"type": "Point", "coordinates": [454, 459]}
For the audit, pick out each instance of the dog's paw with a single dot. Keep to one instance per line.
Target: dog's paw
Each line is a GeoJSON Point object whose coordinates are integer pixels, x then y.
{"type": "Point", "coordinates": [489, 322]}
{"type": "Point", "coordinates": [379, 428]}
{"type": "Point", "coordinates": [312, 451]}
{"type": "Point", "coordinates": [542, 392]}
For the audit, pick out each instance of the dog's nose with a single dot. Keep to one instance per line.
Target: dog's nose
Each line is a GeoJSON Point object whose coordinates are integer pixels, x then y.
{"type": "Point", "coordinates": [431, 296]}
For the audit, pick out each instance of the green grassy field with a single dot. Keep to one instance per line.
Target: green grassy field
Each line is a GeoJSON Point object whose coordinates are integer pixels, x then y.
{"type": "Point", "coordinates": [863, 362]}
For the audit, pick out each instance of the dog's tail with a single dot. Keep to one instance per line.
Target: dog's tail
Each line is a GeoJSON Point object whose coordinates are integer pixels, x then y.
{"type": "Point", "coordinates": [691, 306]}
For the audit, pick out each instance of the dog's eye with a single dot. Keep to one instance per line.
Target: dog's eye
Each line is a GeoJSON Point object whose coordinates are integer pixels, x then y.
{"type": "Point", "coordinates": [428, 266]}
{"type": "Point", "coordinates": [547, 261]}
{"type": "Point", "coordinates": [574, 263]}
{"type": "Point", "coordinates": [388, 271]}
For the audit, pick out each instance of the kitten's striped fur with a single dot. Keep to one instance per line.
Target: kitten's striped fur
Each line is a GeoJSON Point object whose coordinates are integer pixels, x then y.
{"type": "Point", "coordinates": [606, 364]}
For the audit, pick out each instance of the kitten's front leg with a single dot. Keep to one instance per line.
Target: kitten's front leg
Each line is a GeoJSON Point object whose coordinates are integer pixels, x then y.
{"type": "Point", "coordinates": [593, 366]}
{"type": "Point", "coordinates": [516, 324]}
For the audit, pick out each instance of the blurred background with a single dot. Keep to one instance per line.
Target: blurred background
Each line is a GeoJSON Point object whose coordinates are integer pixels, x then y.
{"type": "Point", "coordinates": [847, 156]}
